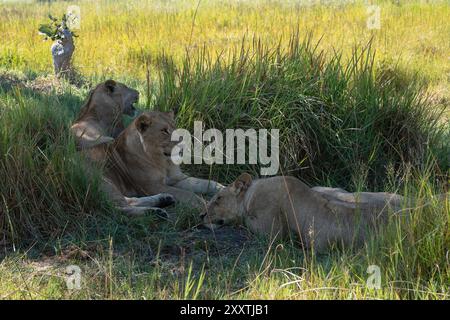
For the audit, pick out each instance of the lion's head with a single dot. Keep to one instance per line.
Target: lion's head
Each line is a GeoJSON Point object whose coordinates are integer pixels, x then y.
{"type": "Point", "coordinates": [110, 99]}
{"type": "Point", "coordinates": [155, 131]}
{"type": "Point", "coordinates": [226, 206]}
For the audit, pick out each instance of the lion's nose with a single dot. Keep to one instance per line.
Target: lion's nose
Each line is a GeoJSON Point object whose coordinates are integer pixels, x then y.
{"type": "Point", "coordinates": [203, 214]}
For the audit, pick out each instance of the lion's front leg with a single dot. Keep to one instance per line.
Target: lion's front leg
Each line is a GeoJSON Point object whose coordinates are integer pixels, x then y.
{"type": "Point", "coordinates": [135, 211]}
{"type": "Point", "coordinates": [178, 179]}
{"type": "Point", "coordinates": [180, 195]}
{"type": "Point", "coordinates": [160, 200]}
{"type": "Point", "coordinates": [197, 185]}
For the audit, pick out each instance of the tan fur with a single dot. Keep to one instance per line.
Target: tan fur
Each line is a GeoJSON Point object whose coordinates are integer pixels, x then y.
{"type": "Point", "coordinates": [319, 216]}
{"type": "Point", "coordinates": [100, 119]}
{"type": "Point", "coordinates": [138, 163]}
{"type": "Point", "coordinates": [117, 185]}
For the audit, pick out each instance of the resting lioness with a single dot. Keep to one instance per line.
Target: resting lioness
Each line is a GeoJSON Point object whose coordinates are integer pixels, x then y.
{"type": "Point", "coordinates": [100, 118]}
{"type": "Point", "coordinates": [319, 216]}
{"type": "Point", "coordinates": [138, 164]}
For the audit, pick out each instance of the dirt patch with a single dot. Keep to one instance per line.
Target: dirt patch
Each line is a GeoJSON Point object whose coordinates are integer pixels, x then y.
{"type": "Point", "coordinates": [10, 79]}
{"type": "Point", "coordinates": [46, 84]}
{"type": "Point", "coordinates": [225, 241]}
{"type": "Point", "coordinates": [195, 244]}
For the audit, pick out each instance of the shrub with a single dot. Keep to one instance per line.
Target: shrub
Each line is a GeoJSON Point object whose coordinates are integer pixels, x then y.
{"type": "Point", "coordinates": [44, 191]}
{"type": "Point", "coordinates": [340, 122]}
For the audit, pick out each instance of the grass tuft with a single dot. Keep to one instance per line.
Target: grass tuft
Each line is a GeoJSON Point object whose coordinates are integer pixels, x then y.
{"type": "Point", "coordinates": [335, 118]}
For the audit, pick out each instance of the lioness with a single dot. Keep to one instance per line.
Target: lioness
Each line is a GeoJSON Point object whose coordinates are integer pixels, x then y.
{"type": "Point", "coordinates": [138, 164]}
{"type": "Point", "coordinates": [100, 118]}
{"type": "Point", "coordinates": [320, 216]}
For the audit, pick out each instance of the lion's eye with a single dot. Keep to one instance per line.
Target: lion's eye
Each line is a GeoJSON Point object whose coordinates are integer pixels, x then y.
{"type": "Point", "coordinates": [218, 198]}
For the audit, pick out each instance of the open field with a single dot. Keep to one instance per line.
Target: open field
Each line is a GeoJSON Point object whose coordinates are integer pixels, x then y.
{"type": "Point", "coordinates": [357, 108]}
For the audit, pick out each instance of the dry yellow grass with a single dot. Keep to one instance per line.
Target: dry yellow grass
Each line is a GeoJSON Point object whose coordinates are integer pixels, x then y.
{"type": "Point", "coordinates": [115, 35]}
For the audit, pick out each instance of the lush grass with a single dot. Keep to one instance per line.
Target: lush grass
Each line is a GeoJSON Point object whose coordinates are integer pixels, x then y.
{"type": "Point", "coordinates": [341, 123]}
{"type": "Point", "coordinates": [348, 118]}
{"type": "Point", "coordinates": [44, 191]}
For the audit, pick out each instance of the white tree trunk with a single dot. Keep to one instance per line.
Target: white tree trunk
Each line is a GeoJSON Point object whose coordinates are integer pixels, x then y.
{"type": "Point", "coordinates": [62, 51]}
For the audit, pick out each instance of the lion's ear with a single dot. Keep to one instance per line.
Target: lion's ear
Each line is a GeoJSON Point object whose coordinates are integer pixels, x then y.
{"type": "Point", "coordinates": [143, 122]}
{"type": "Point", "coordinates": [171, 114]}
{"type": "Point", "coordinates": [242, 183]}
{"type": "Point", "coordinates": [110, 85]}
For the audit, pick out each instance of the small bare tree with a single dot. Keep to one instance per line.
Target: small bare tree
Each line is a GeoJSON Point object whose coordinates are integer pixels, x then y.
{"type": "Point", "coordinates": [63, 46]}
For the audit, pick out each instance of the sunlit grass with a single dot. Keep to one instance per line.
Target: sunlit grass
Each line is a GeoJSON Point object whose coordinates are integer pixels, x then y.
{"type": "Point", "coordinates": [117, 36]}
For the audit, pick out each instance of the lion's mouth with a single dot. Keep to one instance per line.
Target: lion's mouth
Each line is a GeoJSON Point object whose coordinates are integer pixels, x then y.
{"type": "Point", "coordinates": [211, 224]}
{"type": "Point", "coordinates": [131, 109]}
{"type": "Point", "coordinates": [133, 104]}
{"type": "Point", "coordinates": [168, 150]}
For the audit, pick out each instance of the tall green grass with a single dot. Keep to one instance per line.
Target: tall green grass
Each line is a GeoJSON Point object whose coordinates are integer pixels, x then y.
{"type": "Point", "coordinates": [338, 120]}
{"type": "Point", "coordinates": [44, 190]}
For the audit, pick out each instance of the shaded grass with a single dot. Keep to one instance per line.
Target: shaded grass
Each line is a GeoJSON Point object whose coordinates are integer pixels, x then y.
{"type": "Point", "coordinates": [412, 256]}
{"type": "Point", "coordinates": [45, 192]}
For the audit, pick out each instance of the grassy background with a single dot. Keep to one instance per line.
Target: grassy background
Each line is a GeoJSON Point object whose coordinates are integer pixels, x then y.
{"type": "Point", "coordinates": [359, 109]}
{"type": "Point", "coordinates": [115, 36]}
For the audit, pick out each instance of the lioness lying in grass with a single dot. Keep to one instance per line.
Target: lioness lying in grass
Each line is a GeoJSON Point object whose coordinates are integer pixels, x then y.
{"type": "Point", "coordinates": [100, 118]}
{"type": "Point", "coordinates": [138, 171]}
{"type": "Point", "coordinates": [319, 216]}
